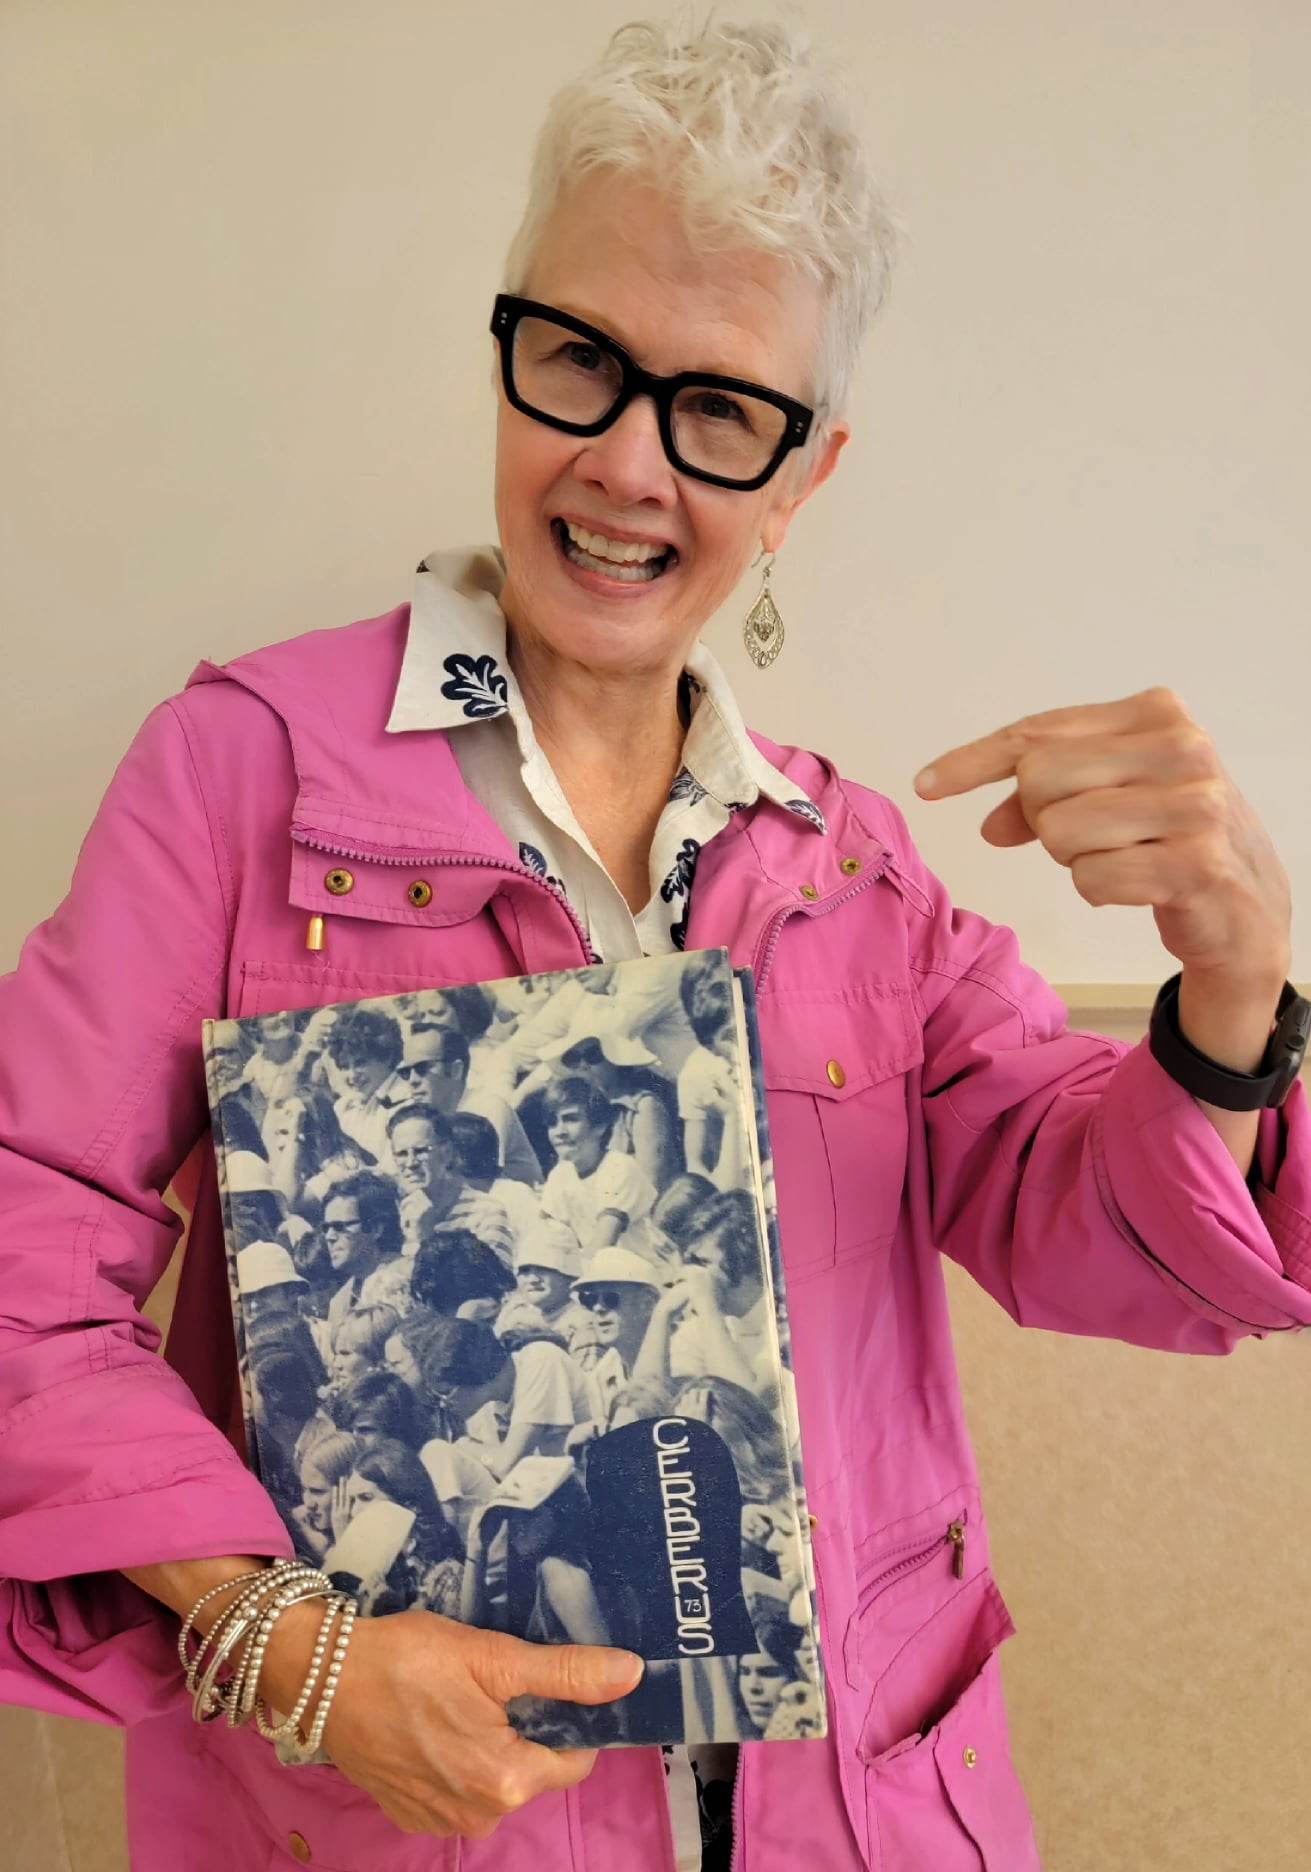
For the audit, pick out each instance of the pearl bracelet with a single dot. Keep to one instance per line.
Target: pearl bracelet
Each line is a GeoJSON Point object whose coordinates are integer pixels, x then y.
{"type": "Point", "coordinates": [242, 1579]}
{"type": "Point", "coordinates": [247, 1623]}
{"type": "Point", "coordinates": [293, 1752]}
{"type": "Point", "coordinates": [244, 1686]}
{"type": "Point", "coordinates": [227, 1632]}
{"type": "Point", "coordinates": [336, 1603]}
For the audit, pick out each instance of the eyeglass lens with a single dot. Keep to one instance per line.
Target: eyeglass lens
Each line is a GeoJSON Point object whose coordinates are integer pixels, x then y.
{"type": "Point", "coordinates": [601, 1300]}
{"type": "Point", "coordinates": [722, 432]}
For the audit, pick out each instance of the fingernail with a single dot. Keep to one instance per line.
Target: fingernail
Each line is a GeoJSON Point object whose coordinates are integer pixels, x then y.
{"type": "Point", "coordinates": [625, 1667]}
{"type": "Point", "coordinates": [925, 780]}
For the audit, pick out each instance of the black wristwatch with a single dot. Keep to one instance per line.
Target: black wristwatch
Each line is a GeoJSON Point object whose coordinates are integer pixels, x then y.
{"type": "Point", "coordinates": [1268, 1085]}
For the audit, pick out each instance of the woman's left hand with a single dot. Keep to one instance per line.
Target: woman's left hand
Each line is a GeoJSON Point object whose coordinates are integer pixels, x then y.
{"type": "Point", "coordinates": [1132, 798]}
{"type": "Point", "coordinates": [339, 1514]}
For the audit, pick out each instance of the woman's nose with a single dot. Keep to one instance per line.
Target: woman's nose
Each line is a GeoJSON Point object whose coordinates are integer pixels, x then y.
{"type": "Point", "coordinates": [628, 459]}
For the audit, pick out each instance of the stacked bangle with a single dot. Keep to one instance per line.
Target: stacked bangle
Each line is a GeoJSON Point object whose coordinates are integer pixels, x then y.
{"type": "Point", "coordinates": [335, 1603]}
{"type": "Point", "coordinates": [239, 1637]}
{"type": "Point", "coordinates": [301, 1753]}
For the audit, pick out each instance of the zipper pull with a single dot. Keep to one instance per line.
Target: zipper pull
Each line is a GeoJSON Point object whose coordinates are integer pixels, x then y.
{"type": "Point", "coordinates": [956, 1535]}
{"type": "Point", "coordinates": [314, 934]}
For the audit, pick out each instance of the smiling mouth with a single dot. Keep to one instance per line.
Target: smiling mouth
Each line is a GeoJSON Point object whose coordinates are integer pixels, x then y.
{"type": "Point", "coordinates": [628, 573]}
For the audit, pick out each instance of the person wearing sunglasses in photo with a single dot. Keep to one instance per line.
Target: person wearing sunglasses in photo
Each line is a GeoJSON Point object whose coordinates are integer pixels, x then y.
{"type": "Point", "coordinates": [435, 1070]}
{"type": "Point", "coordinates": [533, 762]}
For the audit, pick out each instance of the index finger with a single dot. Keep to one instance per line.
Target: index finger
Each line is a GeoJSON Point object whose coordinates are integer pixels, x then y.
{"type": "Point", "coordinates": [995, 756]}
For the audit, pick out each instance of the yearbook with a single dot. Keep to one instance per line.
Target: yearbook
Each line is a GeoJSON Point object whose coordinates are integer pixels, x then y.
{"type": "Point", "coordinates": [511, 1327]}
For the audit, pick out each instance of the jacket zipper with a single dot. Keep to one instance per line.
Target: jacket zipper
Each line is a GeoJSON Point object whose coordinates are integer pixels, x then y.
{"type": "Point", "coordinates": [411, 860]}
{"type": "Point", "coordinates": [918, 1557]}
{"type": "Point", "coordinates": [735, 1845]}
{"type": "Point", "coordinates": [765, 948]}
{"type": "Point", "coordinates": [954, 1537]}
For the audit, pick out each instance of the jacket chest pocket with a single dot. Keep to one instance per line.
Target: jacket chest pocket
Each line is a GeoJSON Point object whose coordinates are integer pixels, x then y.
{"type": "Point", "coordinates": [384, 928]}
{"type": "Point", "coordinates": [837, 1073]}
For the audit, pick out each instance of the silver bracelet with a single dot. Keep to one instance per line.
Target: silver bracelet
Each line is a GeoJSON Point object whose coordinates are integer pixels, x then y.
{"type": "Point", "coordinates": [336, 1603]}
{"type": "Point", "coordinates": [242, 1579]}
{"type": "Point", "coordinates": [306, 1752]}
{"type": "Point", "coordinates": [244, 1687]}
{"type": "Point", "coordinates": [227, 1632]}
{"type": "Point", "coordinates": [289, 1728]}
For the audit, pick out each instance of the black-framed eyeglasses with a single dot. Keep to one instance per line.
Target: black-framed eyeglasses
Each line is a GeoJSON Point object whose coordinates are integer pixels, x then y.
{"type": "Point", "coordinates": [564, 372]}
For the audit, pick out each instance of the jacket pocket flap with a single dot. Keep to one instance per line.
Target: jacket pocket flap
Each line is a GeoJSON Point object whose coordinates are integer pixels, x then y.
{"type": "Point", "coordinates": [430, 893]}
{"type": "Point", "coordinates": [923, 1682]}
{"type": "Point", "coordinates": [838, 1045]}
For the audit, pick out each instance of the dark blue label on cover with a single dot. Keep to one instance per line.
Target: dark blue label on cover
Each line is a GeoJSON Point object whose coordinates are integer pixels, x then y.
{"type": "Point", "coordinates": [667, 1521]}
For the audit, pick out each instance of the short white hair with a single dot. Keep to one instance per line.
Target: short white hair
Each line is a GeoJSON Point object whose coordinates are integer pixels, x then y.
{"type": "Point", "coordinates": [754, 139]}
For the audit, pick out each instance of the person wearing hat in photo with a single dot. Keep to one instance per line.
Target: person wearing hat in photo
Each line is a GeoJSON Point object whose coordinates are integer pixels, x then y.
{"type": "Point", "coordinates": [546, 1264]}
{"type": "Point", "coordinates": [597, 1191]}
{"type": "Point", "coordinates": [434, 1070]}
{"type": "Point", "coordinates": [268, 1284]}
{"type": "Point", "coordinates": [619, 1290]}
{"type": "Point", "coordinates": [257, 1207]}
{"type": "Point", "coordinates": [279, 1356]}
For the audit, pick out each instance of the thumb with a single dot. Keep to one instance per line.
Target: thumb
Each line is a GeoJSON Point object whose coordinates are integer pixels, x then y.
{"type": "Point", "coordinates": [573, 1672]}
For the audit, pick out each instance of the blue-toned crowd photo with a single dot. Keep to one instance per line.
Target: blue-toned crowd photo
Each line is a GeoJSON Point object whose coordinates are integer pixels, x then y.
{"type": "Point", "coordinates": [509, 1343]}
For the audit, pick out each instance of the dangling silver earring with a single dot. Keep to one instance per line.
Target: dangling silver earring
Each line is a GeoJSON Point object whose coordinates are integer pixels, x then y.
{"type": "Point", "coordinates": [762, 632]}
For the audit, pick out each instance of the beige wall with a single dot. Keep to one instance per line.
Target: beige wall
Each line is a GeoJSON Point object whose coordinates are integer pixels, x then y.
{"type": "Point", "coordinates": [252, 254]}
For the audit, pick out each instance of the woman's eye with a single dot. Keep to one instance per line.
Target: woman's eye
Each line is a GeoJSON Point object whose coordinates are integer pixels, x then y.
{"type": "Point", "coordinates": [585, 356]}
{"type": "Point", "coordinates": [717, 406]}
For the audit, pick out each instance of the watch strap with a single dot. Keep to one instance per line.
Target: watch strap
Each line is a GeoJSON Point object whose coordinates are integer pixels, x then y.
{"type": "Point", "coordinates": [1206, 1079]}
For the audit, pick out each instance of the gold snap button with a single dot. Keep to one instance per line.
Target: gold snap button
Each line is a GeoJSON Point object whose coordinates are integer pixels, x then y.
{"type": "Point", "coordinates": [809, 892]}
{"type": "Point", "coordinates": [814, 1522]}
{"type": "Point", "coordinates": [420, 894]}
{"type": "Point", "coordinates": [849, 867]}
{"type": "Point", "coordinates": [299, 1847]}
{"type": "Point", "coordinates": [970, 1758]}
{"type": "Point", "coordinates": [339, 882]}
{"type": "Point", "coordinates": [835, 1073]}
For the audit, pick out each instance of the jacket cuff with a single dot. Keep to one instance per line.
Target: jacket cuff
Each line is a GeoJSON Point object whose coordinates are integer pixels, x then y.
{"type": "Point", "coordinates": [1168, 1182]}
{"type": "Point", "coordinates": [89, 1643]}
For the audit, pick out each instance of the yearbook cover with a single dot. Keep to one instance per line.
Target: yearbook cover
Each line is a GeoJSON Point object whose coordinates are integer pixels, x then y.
{"type": "Point", "coordinates": [510, 1320]}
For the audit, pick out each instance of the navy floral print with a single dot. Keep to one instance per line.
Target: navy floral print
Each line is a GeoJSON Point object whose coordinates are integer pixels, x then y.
{"type": "Point", "coordinates": [679, 881]}
{"type": "Point", "coordinates": [686, 787]}
{"type": "Point", "coordinates": [534, 860]}
{"type": "Point", "coordinates": [476, 682]}
{"type": "Point", "coordinates": [807, 809]}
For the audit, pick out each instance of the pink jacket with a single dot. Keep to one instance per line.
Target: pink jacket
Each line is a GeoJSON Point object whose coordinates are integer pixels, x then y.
{"type": "Point", "coordinates": [1074, 1179]}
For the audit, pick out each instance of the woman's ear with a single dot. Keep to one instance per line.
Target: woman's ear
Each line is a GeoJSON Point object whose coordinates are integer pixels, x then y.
{"type": "Point", "coordinates": [775, 525]}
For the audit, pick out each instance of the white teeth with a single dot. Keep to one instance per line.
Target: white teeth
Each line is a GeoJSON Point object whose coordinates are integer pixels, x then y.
{"type": "Point", "coordinates": [620, 552]}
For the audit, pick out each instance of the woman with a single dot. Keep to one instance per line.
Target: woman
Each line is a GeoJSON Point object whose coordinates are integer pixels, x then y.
{"type": "Point", "coordinates": [323, 1460]}
{"type": "Point", "coordinates": [358, 1343]}
{"type": "Point", "coordinates": [534, 763]}
{"type": "Point", "coordinates": [429, 1569]}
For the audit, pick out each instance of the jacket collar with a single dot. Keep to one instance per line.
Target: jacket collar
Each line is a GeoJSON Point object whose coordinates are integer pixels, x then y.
{"type": "Point", "coordinates": [364, 785]}
{"type": "Point", "coordinates": [455, 673]}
